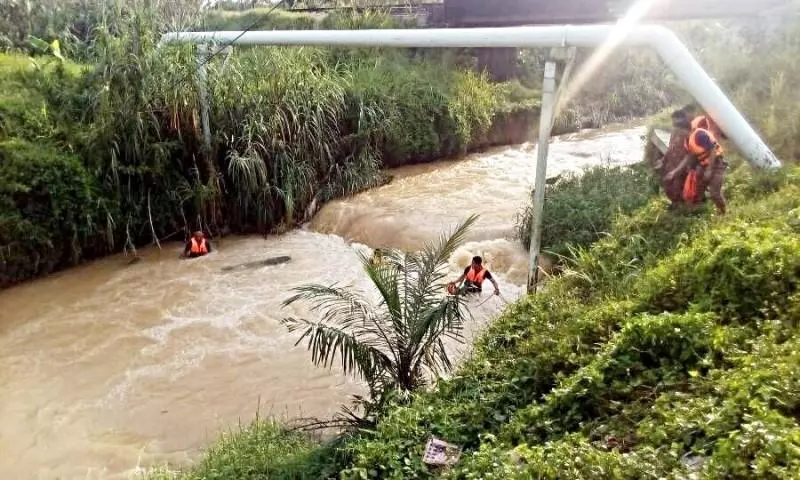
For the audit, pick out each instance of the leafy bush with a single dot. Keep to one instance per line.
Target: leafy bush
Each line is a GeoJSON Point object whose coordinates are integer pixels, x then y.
{"type": "Point", "coordinates": [570, 457]}
{"type": "Point", "coordinates": [743, 271]}
{"type": "Point", "coordinates": [51, 211]}
{"type": "Point", "coordinates": [580, 209]}
{"type": "Point", "coordinates": [648, 354]}
{"type": "Point", "coordinates": [614, 264]}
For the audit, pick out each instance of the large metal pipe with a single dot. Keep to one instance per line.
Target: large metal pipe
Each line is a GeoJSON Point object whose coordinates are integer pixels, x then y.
{"type": "Point", "coordinates": [674, 53]}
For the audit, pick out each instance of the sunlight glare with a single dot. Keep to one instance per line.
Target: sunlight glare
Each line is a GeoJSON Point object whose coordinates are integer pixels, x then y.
{"type": "Point", "coordinates": [632, 17]}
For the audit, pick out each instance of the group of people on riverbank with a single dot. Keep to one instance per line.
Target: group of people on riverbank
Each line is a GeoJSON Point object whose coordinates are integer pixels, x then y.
{"type": "Point", "coordinates": [694, 163]}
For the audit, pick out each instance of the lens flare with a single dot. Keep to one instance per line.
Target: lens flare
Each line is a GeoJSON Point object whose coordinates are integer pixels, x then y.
{"type": "Point", "coordinates": [632, 18]}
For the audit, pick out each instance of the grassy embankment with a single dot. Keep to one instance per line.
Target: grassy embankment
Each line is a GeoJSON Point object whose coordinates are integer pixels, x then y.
{"type": "Point", "coordinates": [669, 349]}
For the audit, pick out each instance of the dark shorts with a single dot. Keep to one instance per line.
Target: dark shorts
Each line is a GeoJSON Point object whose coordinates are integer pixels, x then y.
{"type": "Point", "coordinates": [716, 177]}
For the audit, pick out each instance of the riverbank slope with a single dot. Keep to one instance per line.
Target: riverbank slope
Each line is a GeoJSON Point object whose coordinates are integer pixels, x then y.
{"type": "Point", "coordinates": [668, 349]}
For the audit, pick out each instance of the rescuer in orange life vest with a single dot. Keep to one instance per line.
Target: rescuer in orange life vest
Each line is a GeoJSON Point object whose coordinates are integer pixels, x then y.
{"type": "Point", "coordinates": [197, 246]}
{"type": "Point", "coordinates": [473, 277]}
{"type": "Point", "coordinates": [705, 165]}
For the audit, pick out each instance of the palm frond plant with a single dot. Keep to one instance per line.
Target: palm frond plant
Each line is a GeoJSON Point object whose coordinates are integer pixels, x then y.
{"type": "Point", "coordinates": [397, 344]}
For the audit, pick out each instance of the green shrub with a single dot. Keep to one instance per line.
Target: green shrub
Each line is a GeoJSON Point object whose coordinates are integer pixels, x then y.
{"type": "Point", "coordinates": [742, 271]}
{"type": "Point", "coordinates": [51, 212]}
{"type": "Point", "coordinates": [580, 209]}
{"type": "Point", "coordinates": [570, 457]}
{"type": "Point", "coordinates": [766, 379]}
{"type": "Point", "coordinates": [615, 263]}
{"type": "Point", "coordinates": [650, 353]}
{"type": "Point", "coordinates": [765, 444]}
{"type": "Point", "coordinates": [23, 110]}
{"type": "Point", "coordinates": [262, 18]}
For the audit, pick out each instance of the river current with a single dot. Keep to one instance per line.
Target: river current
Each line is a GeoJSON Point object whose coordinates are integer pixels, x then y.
{"type": "Point", "coordinates": [109, 368]}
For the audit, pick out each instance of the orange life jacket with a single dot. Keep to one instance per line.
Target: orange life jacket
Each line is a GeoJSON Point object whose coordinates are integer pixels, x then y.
{"type": "Point", "coordinates": [703, 155]}
{"type": "Point", "coordinates": [689, 193]}
{"type": "Point", "coordinates": [199, 247]}
{"type": "Point", "coordinates": [476, 278]}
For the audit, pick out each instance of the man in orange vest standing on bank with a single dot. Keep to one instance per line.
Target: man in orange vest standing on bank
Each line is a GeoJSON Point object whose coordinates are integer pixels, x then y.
{"type": "Point", "coordinates": [705, 164]}
{"type": "Point", "coordinates": [197, 246]}
{"type": "Point", "coordinates": [473, 278]}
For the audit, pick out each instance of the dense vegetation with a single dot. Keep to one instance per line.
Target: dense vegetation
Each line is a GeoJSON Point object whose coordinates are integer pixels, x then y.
{"type": "Point", "coordinates": [581, 207]}
{"type": "Point", "coordinates": [102, 149]}
{"type": "Point", "coordinates": [669, 349]}
{"type": "Point", "coordinates": [108, 154]}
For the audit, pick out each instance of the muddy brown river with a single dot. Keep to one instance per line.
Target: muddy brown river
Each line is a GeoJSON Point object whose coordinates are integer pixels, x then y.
{"type": "Point", "coordinates": [107, 369]}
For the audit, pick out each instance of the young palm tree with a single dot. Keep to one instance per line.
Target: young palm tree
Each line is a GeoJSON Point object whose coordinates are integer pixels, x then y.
{"type": "Point", "coordinates": [396, 344]}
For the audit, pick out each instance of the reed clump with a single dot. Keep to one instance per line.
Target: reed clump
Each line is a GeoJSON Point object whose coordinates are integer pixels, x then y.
{"type": "Point", "coordinates": [290, 128]}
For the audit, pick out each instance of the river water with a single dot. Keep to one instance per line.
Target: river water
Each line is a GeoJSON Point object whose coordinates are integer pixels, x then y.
{"type": "Point", "coordinates": [109, 368]}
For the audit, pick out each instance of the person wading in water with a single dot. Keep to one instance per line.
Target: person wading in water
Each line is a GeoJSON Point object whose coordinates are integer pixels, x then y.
{"type": "Point", "coordinates": [473, 278]}
{"type": "Point", "coordinates": [197, 246]}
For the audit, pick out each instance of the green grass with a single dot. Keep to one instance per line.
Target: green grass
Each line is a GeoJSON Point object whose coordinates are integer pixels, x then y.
{"type": "Point", "coordinates": [580, 208]}
{"type": "Point", "coordinates": [263, 18]}
{"type": "Point", "coordinates": [571, 379]}
{"type": "Point", "coordinates": [260, 450]}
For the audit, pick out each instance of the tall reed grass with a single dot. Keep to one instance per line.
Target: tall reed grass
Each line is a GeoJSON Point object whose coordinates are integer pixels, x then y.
{"type": "Point", "coordinates": [291, 127]}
